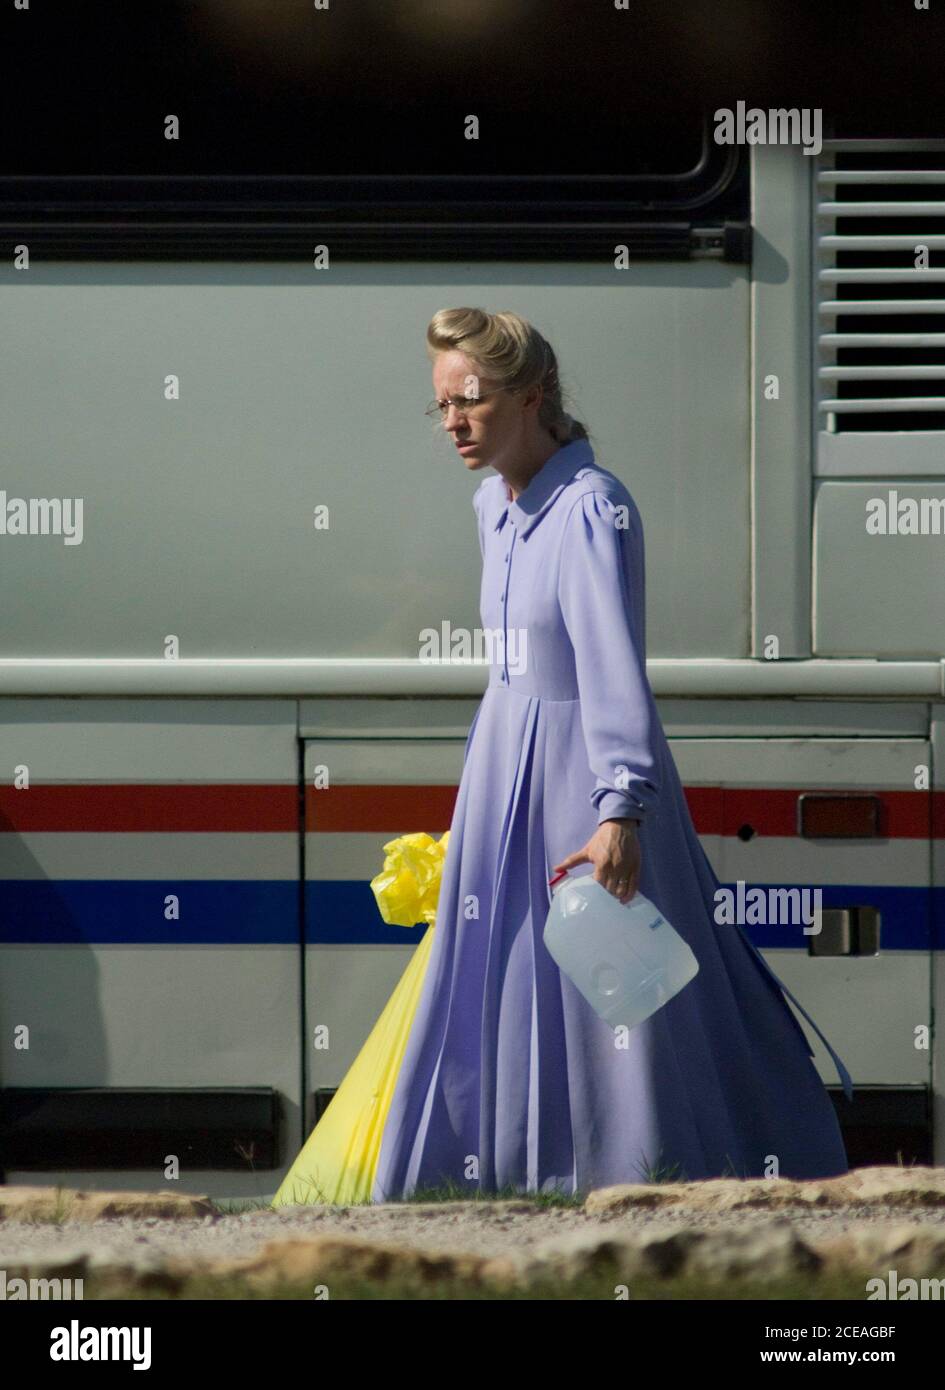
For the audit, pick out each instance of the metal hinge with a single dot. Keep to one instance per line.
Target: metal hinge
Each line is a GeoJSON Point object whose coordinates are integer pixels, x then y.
{"type": "Point", "coordinates": [730, 242]}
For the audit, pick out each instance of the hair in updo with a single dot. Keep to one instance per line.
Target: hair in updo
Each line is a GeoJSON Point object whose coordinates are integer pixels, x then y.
{"type": "Point", "coordinates": [511, 351]}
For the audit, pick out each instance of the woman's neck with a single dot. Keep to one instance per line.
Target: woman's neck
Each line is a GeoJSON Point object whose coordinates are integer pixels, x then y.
{"type": "Point", "coordinates": [516, 482]}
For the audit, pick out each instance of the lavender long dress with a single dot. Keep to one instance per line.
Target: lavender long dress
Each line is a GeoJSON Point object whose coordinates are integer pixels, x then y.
{"type": "Point", "coordinates": [509, 1077]}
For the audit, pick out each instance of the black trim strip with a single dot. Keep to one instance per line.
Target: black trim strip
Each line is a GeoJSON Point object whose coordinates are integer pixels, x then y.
{"type": "Point", "coordinates": [226, 1128]}
{"type": "Point", "coordinates": [150, 241]}
{"type": "Point", "coordinates": [885, 1124]}
{"type": "Point", "coordinates": [703, 210]}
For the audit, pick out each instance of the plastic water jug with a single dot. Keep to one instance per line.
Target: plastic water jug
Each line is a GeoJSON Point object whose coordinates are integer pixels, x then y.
{"type": "Point", "coordinates": [625, 958]}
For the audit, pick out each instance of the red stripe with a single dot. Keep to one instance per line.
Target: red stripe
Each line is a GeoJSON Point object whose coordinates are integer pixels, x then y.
{"type": "Point", "coordinates": [903, 815]}
{"type": "Point", "coordinates": [390, 809]}
{"type": "Point", "coordinates": [714, 810]}
{"type": "Point", "coordinates": [150, 808]}
{"type": "Point", "coordinates": [386, 810]}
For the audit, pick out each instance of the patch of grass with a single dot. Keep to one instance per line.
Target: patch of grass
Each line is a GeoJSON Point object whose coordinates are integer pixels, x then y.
{"type": "Point", "coordinates": [600, 1287]}
{"type": "Point", "coordinates": [237, 1205]}
{"type": "Point", "coordinates": [447, 1191]}
{"type": "Point", "coordinates": [312, 1195]}
{"type": "Point", "coordinates": [732, 1171]}
{"type": "Point", "coordinates": [659, 1172]}
{"type": "Point", "coordinates": [59, 1214]}
{"type": "Point", "coordinates": [451, 1191]}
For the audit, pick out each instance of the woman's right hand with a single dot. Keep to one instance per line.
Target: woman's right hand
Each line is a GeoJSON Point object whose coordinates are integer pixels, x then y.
{"type": "Point", "coordinates": [614, 850]}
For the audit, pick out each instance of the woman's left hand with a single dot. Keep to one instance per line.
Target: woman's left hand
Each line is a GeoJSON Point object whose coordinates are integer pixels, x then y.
{"type": "Point", "coordinates": [614, 850]}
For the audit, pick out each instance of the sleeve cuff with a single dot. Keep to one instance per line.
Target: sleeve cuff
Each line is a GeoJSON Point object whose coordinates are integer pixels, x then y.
{"type": "Point", "coordinates": [618, 806]}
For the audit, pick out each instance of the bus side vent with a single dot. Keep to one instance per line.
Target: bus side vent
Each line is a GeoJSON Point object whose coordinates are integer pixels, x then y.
{"type": "Point", "coordinates": [879, 303]}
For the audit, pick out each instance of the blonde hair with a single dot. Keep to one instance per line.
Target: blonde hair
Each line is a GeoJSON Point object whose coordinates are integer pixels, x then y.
{"type": "Point", "coordinates": [510, 350]}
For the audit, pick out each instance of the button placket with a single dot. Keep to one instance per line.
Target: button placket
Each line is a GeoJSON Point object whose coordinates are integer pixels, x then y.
{"type": "Point", "coordinates": [505, 609]}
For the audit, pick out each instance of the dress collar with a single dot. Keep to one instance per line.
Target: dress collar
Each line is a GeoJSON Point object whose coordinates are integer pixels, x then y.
{"type": "Point", "coordinates": [541, 492]}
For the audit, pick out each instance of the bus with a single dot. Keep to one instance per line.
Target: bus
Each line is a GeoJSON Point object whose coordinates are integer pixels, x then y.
{"type": "Point", "coordinates": [226, 525]}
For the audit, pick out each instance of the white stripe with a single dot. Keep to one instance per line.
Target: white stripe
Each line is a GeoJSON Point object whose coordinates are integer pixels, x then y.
{"type": "Point", "coordinates": [778, 860]}
{"type": "Point", "coordinates": [91, 855]}
{"type": "Point", "coordinates": [159, 741]}
{"type": "Point", "coordinates": [829, 765]}
{"type": "Point", "coordinates": [348, 856]}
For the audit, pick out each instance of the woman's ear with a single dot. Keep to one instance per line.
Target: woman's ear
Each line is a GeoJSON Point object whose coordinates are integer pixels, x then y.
{"type": "Point", "coordinates": [533, 397]}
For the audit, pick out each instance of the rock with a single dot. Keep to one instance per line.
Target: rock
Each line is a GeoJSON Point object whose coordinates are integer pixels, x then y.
{"type": "Point", "coordinates": [71, 1204]}
{"type": "Point", "coordinates": [579, 1255]}
{"type": "Point", "coordinates": [71, 1262]}
{"type": "Point", "coordinates": [321, 1258]}
{"type": "Point", "coordinates": [909, 1248]}
{"type": "Point", "coordinates": [626, 1196]}
{"type": "Point", "coordinates": [763, 1252]}
{"type": "Point", "coordinates": [894, 1186]}
{"type": "Point", "coordinates": [918, 1186]}
{"type": "Point", "coordinates": [712, 1195]}
{"type": "Point", "coordinates": [460, 1210]}
{"type": "Point", "coordinates": [145, 1271]}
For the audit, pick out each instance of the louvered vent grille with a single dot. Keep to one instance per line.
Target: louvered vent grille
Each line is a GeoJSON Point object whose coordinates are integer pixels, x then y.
{"type": "Point", "coordinates": [879, 320]}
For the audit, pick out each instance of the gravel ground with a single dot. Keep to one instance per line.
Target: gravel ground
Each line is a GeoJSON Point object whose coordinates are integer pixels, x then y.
{"type": "Point", "coordinates": [479, 1228]}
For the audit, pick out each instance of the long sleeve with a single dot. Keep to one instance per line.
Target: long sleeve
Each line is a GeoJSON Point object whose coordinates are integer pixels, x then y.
{"type": "Point", "coordinates": [617, 711]}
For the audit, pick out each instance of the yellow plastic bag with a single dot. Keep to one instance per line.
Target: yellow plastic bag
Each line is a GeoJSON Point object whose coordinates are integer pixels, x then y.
{"type": "Point", "coordinates": [338, 1161]}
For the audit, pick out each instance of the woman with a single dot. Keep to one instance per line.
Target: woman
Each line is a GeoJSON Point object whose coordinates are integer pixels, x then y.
{"type": "Point", "coordinates": [509, 1079]}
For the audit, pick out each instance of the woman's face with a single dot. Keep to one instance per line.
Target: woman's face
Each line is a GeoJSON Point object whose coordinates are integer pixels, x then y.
{"type": "Point", "coordinates": [494, 426]}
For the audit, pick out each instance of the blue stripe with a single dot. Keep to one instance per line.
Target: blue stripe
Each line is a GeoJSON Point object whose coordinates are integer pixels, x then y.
{"type": "Point", "coordinates": [906, 918]}
{"type": "Point", "coordinates": [339, 911]}
{"type": "Point", "coordinates": [116, 911]}
{"type": "Point", "coordinates": [245, 913]}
